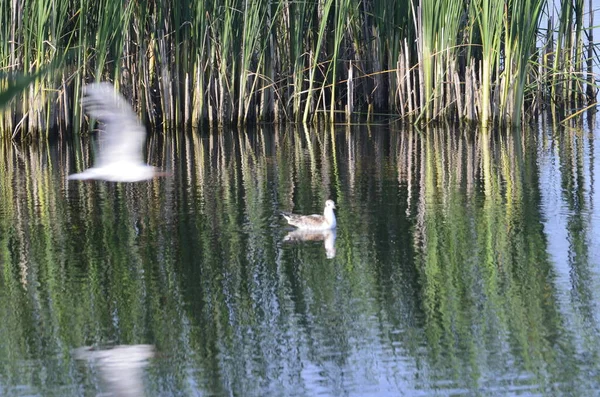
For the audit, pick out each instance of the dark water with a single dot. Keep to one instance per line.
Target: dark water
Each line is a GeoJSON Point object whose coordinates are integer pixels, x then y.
{"type": "Point", "coordinates": [463, 264]}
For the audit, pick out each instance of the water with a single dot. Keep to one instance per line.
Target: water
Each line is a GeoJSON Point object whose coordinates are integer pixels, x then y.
{"type": "Point", "coordinates": [462, 264]}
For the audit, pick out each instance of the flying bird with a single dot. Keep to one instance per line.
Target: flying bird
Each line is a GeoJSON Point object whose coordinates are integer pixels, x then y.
{"type": "Point", "coordinates": [120, 157]}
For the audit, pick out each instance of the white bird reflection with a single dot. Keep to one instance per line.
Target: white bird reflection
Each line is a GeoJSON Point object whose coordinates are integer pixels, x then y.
{"type": "Point", "coordinates": [120, 157]}
{"type": "Point", "coordinates": [120, 367]}
{"type": "Point", "coordinates": [327, 236]}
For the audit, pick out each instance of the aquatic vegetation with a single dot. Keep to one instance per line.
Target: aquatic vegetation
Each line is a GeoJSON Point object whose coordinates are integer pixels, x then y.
{"type": "Point", "coordinates": [240, 62]}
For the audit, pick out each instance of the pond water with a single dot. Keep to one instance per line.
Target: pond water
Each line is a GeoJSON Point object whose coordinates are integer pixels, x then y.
{"type": "Point", "coordinates": [464, 263]}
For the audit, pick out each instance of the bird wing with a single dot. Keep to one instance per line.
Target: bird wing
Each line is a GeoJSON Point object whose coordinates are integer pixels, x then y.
{"type": "Point", "coordinates": [305, 221]}
{"type": "Point", "coordinates": [123, 137]}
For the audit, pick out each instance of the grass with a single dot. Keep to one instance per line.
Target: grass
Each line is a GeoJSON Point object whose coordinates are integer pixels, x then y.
{"type": "Point", "coordinates": [241, 62]}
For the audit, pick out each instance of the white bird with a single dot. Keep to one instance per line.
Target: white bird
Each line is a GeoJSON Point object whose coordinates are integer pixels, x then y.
{"type": "Point", "coordinates": [120, 157]}
{"type": "Point", "coordinates": [314, 222]}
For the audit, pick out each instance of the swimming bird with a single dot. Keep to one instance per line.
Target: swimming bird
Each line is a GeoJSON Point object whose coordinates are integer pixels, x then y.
{"type": "Point", "coordinates": [120, 157]}
{"type": "Point", "coordinates": [314, 222]}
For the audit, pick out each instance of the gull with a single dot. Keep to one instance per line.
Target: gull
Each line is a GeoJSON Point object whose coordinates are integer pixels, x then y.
{"type": "Point", "coordinates": [120, 157]}
{"type": "Point", "coordinates": [314, 222]}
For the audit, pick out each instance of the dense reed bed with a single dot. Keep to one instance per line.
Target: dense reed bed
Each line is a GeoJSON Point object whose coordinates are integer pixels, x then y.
{"type": "Point", "coordinates": [241, 62]}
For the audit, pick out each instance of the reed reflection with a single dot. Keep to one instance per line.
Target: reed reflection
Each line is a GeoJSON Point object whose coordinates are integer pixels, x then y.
{"type": "Point", "coordinates": [438, 262]}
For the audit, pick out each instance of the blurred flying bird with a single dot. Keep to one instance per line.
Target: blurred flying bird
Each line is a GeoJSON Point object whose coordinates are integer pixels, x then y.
{"type": "Point", "coordinates": [120, 157]}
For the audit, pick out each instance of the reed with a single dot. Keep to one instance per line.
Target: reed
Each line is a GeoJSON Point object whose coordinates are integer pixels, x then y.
{"type": "Point", "coordinates": [239, 62]}
{"type": "Point", "coordinates": [568, 51]}
{"type": "Point", "coordinates": [489, 17]}
{"type": "Point", "coordinates": [439, 23]}
{"type": "Point", "coordinates": [521, 24]}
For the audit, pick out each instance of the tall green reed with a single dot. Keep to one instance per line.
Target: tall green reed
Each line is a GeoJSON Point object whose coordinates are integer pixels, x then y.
{"type": "Point", "coordinates": [567, 56]}
{"type": "Point", "coordinates": [488, 15]}
{"type": "Point", "coordinates": [439, 23]}
{"type": "Point", "coordinates": [324, 14]}
{"type": "Point", "coordinates": [521, 24]}
{"type": "Point", "coordinates": [236, 62]}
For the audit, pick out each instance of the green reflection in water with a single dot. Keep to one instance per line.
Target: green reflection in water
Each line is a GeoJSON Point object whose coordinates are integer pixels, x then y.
{"type": "Point", "coordinates": [487, 280]}
{"type": "Point", "coordinates": [440, 281]}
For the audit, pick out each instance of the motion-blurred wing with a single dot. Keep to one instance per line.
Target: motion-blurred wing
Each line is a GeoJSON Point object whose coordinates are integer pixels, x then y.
{"type": "Point", "coordinates": [123, 137]}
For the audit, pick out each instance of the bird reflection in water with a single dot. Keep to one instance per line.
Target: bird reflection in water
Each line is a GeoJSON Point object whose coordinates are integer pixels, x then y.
{"type": "Point", "coordinates": [327, 236]}
{"type": "Point", "coordinates": [120, 367]}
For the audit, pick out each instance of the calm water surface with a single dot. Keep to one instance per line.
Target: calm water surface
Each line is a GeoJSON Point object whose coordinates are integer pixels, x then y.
{"type": "Point", "coordinates": [463, 264]}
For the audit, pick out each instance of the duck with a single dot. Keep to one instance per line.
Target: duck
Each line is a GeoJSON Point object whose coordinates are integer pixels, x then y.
{"type": "Point", "coordinates": [326, 221]}
{"type": "Point", "coordinates": [120, 157]}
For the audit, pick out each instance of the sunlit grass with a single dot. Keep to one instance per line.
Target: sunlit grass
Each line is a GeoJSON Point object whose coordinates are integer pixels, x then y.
{"type": "Point", "coordinates": [240, 61]}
